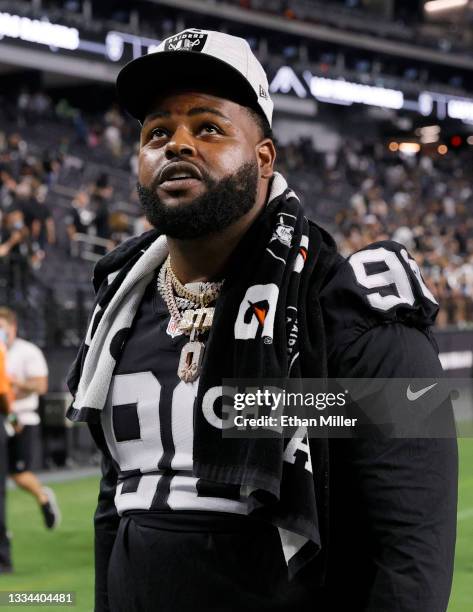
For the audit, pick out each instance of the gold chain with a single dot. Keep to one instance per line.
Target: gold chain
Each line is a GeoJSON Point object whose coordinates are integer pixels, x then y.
{"type": "Point", "coordinates": [203, 298]}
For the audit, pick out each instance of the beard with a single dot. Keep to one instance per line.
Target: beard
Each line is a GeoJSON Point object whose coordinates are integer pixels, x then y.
{"type": "Point", "coordinates": [223, 203]}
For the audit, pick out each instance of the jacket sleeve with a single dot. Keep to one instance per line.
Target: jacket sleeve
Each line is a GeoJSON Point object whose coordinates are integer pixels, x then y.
{"type": "Point", "coordinates": [106, 521]}
{"type": "Point", "coordinates": [393, 501]}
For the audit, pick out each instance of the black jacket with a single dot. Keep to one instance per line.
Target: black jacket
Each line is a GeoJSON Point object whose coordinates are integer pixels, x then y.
{"type": "Point", "coordinates": [387, 506]}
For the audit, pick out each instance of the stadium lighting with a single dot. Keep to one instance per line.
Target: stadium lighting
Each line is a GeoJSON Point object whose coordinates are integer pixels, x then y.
{"type": "Point", "coordinates": [435, 6]}
{"type": "Point", "coordinates": [429, 134]}
{"type": "Point", "coordinates": [460, 109]}
{"type": "Point", "coordinates": [470, 140]}
{"type": "Point", "coordinates": [442, 149]}
{"type": "Point", "coordinates": [115, 46]}
{"type": "Point", "coordinates": [430, 129]}
{"type": "Point", "coordinates": [409, 148]}
{"type": "Point", "coordinates": [393, 146]}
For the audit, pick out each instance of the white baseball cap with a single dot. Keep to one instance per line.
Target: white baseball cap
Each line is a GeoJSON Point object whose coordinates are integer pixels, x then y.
{"type": "Point", "coordinates": [195, 57]}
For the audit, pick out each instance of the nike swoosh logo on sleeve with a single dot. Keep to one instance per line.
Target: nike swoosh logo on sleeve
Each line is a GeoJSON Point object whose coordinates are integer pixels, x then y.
{"type": "Point", "coordinates": [413, 395]}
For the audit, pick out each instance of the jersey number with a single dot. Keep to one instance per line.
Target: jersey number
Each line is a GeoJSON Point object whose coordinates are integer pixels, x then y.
{"type": "Point", "coordinates": [395, 275]}
{"type": "Point", "coordinates": [138, 443]}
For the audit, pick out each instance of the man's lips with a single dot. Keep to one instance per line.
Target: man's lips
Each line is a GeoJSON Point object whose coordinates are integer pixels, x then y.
{"type": "Point", "coordinates": [179, 176]}
{"type": "Point", "coordinates": [179, 184]}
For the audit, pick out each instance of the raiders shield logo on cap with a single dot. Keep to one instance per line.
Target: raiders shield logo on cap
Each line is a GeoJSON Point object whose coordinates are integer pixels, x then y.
{"type": "Point", "coordinates": [186, 41]}
{"type": "Point", "coordinates": [220, 55]}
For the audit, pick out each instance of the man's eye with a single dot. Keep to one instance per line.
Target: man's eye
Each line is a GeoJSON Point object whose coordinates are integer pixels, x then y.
{"type": "Point", "coordinates": [158, 133]}
{"type": "Point", "coordinates": [209, 128]}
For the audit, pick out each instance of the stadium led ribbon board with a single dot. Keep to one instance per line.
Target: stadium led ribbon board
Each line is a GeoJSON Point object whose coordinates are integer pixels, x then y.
{"type": "Point", "coordinates": [39, 32]}
{"type": "Point", "coordinates": [346, 93]}
{"type": "Point", "coordinates": [115, 47]}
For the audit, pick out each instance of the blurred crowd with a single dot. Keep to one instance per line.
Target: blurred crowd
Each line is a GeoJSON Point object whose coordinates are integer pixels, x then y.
{"type": "Point", "coordinates": [67, 191]}
{"type": "Point", "coordinates": [27, 224]}
{"type": "Point", "coordinates": [36, 165]}
{"type": "Point", "coordinates": [423, 202]}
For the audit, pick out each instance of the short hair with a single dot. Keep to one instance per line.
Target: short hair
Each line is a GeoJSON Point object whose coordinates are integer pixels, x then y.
{"type": "Point", "coordinates": [261, 122]}
{"type": "Point", "coordinates": [9, 315]}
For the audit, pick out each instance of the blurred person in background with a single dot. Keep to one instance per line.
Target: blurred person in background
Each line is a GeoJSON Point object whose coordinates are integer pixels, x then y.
{"type": "Point", "coordinates": [31, 201]}
{"type": "Point", "coordinates": [113, 132]}
{"type": "Point", "coordinates": [5, 417]}
{"type": "Point", "coordinates": [12, 232]}
{"type": "Point", "coordinates": [14, 251]}
{"type": "Point", "coordinates": [80, 216]}
{"type": "Point", "coordinates": [28, 373]}
{"type": "Point", "coordinates": [7, 187]}
{"type": "Point", "coordinates": [102, 194]}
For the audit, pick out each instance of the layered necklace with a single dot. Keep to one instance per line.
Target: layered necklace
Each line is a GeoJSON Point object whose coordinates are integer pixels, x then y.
{"type": "Point", "coordinates": [191, 311]}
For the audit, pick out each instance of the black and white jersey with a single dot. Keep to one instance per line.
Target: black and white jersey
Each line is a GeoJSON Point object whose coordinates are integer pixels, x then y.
{"type": "Point", "coordinates": [387, 505]}
{"type": "Point", "coordinates": [148, 422]}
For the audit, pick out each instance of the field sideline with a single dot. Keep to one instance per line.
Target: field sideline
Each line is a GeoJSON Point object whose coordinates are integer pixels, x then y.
{"type": "Point", "coordinates": [62, 560]}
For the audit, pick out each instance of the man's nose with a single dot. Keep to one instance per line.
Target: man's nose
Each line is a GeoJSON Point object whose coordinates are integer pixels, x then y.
{"type": "Point", "coordinates": [180, 144]}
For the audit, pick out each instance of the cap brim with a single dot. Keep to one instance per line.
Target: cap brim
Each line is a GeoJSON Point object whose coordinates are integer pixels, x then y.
{"type": "Point", "coordinates": [143, 79]}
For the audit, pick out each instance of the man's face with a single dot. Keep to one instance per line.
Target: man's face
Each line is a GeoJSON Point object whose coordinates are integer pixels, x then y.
{"type": "Point", "coordinates": [9, 331]}
{"type": "Point", "coordinates": [199, 169]}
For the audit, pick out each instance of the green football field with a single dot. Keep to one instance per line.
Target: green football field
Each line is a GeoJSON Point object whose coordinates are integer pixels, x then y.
{"type": "Point", "coordinates": [62, 560]}
{"type": "Point", "coordinates": [59, 560]}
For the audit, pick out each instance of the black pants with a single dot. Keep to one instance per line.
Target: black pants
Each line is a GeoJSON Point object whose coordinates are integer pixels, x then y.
{"type": "Point", "coordinates": [200, 561]}
{"type": "Point", "coordinates": [23, 448]}
{"type": "Point", "coordinates": [4, 542]}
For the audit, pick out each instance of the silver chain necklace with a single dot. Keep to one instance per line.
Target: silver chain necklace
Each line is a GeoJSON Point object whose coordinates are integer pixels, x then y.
{"type": "Point", "coordinates": [182, 303]}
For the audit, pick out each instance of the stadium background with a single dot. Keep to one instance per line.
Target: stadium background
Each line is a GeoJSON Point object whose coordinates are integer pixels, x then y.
{"type": "Point", "coordinates": [374, 124]}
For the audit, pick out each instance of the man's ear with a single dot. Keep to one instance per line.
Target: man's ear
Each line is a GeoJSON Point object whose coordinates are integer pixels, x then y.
{"type": "Point", "coordinates": [266, 154]}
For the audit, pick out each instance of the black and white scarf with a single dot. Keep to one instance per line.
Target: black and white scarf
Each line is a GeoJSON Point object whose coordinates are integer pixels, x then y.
{"type": "Point", "coordinates": [263, 309]}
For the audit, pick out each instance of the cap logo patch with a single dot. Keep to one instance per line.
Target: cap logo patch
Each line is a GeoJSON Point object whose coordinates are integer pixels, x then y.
{"type": "Point", "coordinates": [187, 41]}
{"type": "Point", "coordinates": [262, 92]}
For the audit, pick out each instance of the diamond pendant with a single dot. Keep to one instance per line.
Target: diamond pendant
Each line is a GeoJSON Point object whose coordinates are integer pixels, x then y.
{"type": "Point", "coordinates": [199, 320]}
{"type": "Point", "coordinates": [190, 363]}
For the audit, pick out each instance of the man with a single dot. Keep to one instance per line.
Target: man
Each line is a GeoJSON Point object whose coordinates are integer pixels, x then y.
{"type": "Point", "coordinates": [28, 374]}
{"type": "Point", "coordinates": [236, 283]}
{"type": "Point", "coordinates": [5, 402]}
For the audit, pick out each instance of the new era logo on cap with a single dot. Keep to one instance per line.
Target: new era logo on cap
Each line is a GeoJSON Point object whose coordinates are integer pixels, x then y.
{"type": "Point", "coordinates": [262, 92]}
{"type": "Point", "coordinates": [186, 41]}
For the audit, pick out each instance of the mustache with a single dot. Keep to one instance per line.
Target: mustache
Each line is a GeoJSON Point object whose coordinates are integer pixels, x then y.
{"type": "Point", "coordinates": [206, 178]}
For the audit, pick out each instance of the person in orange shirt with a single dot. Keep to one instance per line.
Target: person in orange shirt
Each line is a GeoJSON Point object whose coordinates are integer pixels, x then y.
{"type": "Point", "coordinates": [6, 391]}
{"type": "Point", "coordinates": [6, 398]}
